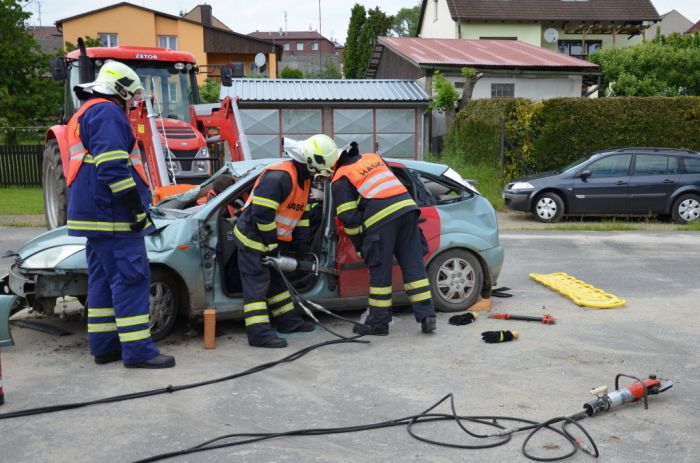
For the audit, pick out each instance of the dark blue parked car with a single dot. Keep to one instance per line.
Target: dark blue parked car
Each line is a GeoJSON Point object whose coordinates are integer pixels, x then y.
{"type": "Point", "coordinates": [626, 181]}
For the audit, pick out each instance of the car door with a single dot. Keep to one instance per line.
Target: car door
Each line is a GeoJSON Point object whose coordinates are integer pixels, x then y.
{"type": "Point", "coordinates": [353, 276]}
{"type": "Point", "coordinates": [654, 178]}
{"type": "Point", "coordinates": [601, 186]}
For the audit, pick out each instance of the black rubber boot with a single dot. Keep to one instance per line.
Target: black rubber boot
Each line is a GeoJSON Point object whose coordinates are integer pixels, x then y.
{"type": "Point", "coordinates": [303, 327]}
{"type": "Point", "coordinates": [428, 324]}
{"type": "Point", "coordinates": [372, 330]}
{"type": "Point", "coordinates": [108, 357]}
{"type": "Point", "coordinates": [159, 361]}
{"type": "Point", "coordinates": [273, 343]}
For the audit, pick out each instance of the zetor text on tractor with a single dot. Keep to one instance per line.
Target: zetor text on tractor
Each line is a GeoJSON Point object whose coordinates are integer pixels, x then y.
{"type": "Point", "coordinates": [179, 138]}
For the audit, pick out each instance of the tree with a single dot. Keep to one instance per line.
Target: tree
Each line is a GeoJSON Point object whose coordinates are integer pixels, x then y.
{"type": "Point", "coordinates": [352, 42]}
{"type": "Point", "coordinates": [377, 23]}
{"type": "Point", "coordinates": [27, 98]}
{"type": "Point", "coordinates": [89, 42]}
{"type": "Point", "coordinates": [406, 22]}
{"type": "Point", "coordinates": [471, 77]}
{"type": "Point", "coordinates": [666, 66]}
{"type": "Point", "coordinates": [210, 91]}
{"type": "Point", "coordinates": [291, 73]}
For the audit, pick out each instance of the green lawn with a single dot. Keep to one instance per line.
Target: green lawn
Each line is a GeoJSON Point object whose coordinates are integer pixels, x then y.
{"type": "Point", "coordinates": [21, 201]}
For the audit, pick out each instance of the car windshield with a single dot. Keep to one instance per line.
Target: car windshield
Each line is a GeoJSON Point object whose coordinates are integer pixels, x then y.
{"type": "Point", "coordinates": [574, 164]}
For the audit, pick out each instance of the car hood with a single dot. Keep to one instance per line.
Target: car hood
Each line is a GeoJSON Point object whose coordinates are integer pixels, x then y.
{"type": "Point", "coordinates": [533, 177]}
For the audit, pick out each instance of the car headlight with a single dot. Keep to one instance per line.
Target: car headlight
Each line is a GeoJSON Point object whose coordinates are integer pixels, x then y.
{"type": "Point", "coordinates": [201, 167]}
{"type": "Point", "coordinates": [521, 186]}
{"type": "Point", "coordinates": [51, 257]}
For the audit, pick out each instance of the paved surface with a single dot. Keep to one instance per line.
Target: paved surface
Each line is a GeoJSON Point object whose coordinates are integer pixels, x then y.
{"type": "Point", "coordinates": [546, 373]}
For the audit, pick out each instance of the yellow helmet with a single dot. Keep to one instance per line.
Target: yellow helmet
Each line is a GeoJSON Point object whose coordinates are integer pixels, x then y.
{"type": "Point", "coordinates": [320, 153]}
{"type": "Point", "coordinates": [116, 78]}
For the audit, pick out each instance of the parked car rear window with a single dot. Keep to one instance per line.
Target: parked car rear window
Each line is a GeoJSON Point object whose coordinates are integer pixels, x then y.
{"type": "Point", "coordinates": [649, 164]}
{"type": "Point", "coordinates": [611, 166]}
{"type": "Point", "coordinates": [690, 165]}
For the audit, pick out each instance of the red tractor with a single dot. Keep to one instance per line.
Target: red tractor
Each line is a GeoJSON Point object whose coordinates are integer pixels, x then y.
{"type": "Point", "coordinates": [181, 141]}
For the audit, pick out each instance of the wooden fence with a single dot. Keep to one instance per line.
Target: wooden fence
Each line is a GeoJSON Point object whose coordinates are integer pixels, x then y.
{"type": "Point", "coordinates": [20, 165]}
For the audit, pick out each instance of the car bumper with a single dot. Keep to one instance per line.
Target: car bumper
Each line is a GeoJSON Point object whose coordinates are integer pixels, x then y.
{"type": "Point", "coordinates": [43, 283]}
{"type": "Point", "coordinates": [517, 201]}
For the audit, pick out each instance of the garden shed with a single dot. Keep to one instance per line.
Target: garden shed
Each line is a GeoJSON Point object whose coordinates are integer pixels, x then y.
{"type": "Point", "coordinates": [384, 116]}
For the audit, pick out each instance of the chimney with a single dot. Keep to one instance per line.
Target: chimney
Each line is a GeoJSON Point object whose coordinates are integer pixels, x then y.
{"type": "Point", "coordinates": [206, 14]}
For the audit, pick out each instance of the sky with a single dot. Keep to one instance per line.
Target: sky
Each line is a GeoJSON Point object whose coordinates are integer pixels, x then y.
{"type": "Point", "coordinates": [268, 15]}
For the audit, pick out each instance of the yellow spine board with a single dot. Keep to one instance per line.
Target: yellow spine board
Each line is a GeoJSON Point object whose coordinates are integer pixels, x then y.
{"type": "Point", "coordinates": [578, 291]}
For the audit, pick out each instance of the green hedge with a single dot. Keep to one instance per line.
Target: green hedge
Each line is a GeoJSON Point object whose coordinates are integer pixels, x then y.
{"type": "Point", "coordinates": [552, 133]}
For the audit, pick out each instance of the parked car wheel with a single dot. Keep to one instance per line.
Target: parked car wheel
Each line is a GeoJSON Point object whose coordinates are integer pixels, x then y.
{"type": "Point", "coordinates": [54, 185]}
{"type": "Point", "coordinates": [456, 278]}
{"type": "Point", "coordinates": [548, 207]}
{"type": "Point", "coordinates": [686, 208]}
{"type": "Point", "coordinates": [165, 303]}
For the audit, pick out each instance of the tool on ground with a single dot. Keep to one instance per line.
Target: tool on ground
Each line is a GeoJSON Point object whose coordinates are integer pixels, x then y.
{"type": "Point", "coordinates": [463, 319]}
{"type": "Point", "coordinates": [492, 337]}
{"type": "Point", "coordinates": [578, 291]}
{"type": "Point", "coordinates": [501, 292]}
{"type": "Point", "coordinates": [546, 319]}
{"type": "Point", "coordinates": [640, 389]}
{"type": "Point", "coordinates": [41, 326]}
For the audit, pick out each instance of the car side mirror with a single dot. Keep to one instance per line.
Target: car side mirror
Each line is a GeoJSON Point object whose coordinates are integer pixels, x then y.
{"type": "Point", "coordinates": [58, 68]}
{"type": "Point", "coordinates": [226, 76]}
{"type": "Point", "coordinates": [585, 174]}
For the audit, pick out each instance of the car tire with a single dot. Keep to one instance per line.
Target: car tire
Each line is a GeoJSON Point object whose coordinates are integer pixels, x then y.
{"type": "Point", "coordinates": [456, 277]}
{"type": "Point", "coordinates": [54, 185]}
{"type": "Point", "coordinates": [686, 208]}
{"type": "Point", "coordinates": [165, 303]}
{"type": "Point", "coordinates": [548, 207]}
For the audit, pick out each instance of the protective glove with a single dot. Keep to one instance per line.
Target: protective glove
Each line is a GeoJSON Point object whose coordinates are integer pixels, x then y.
{"type": "Point", "coordinates": [492, 337]}
{"type": "Point", "coordinates": [463, 319]}
{"type": "Point", "coordinates": [132, 200]}
{"type": "Point", "coordinates": [357, 242]}
{"type": "Point", "coordinates": [352, 149]}
{"type": "Point", "coordinates": [316, 194]}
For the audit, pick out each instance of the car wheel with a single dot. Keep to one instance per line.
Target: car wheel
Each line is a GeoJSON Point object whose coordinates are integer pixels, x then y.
{"type": "Point", "coordinates": [686, 208]}
{"type": "Point", "coordinates": [54, 186]}
{"type": "Point", "coordinates": [456, 278]}
{"type": "Point", "coordinates": [548, 208]}
{"type": "Point", "coordinates": [164, 301]}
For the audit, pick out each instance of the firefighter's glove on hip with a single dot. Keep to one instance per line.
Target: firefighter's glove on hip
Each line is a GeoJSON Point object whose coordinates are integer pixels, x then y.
{"type": "Point", "coordinates": [463, 319]}
{"type": "Point", "coordinates": [132, 200]}
{"type": "Point", "coordinates": [492, 337]}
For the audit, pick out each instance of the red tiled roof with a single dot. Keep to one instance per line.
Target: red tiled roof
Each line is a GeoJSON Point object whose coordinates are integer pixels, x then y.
{"type": "Point", "coordinates": [555, 10]}
{"type": "Point", "coordinates": [694, 28]}
{"type": "Point", "coordinates": [481, 53]}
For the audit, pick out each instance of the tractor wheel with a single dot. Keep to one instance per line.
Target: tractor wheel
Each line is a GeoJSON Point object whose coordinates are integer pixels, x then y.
{"type": "Point", "coordinates": [54, 185]}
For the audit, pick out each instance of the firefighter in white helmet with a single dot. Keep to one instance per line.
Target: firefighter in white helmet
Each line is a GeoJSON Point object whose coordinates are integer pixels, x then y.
{"type": "Point", "coordinates": [108, 199]}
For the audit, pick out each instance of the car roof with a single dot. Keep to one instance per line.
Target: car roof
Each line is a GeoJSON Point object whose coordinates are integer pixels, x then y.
{"type": "Point", "coordinates": [649, 150]}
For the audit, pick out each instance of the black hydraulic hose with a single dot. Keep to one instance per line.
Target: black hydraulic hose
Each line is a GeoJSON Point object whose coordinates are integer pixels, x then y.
{"type": "Point", "coordinates": [170, 389]}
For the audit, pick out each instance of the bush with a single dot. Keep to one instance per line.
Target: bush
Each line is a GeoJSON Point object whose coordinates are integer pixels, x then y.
{"type": "Point", "coordinates": [289, 73]}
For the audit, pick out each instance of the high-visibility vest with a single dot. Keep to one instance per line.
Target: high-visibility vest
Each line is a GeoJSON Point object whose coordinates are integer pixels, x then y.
{"type": "Point", "coordinates": [289, 211]}
{"type": "Point", "coordinates": [78, 152]}
{"type": "Point", "coordinates": [371, 177]}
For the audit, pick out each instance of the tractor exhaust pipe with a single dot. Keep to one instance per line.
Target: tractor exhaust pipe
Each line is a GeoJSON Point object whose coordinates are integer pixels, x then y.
{"type": "Point", "coordinates": [86, 74]}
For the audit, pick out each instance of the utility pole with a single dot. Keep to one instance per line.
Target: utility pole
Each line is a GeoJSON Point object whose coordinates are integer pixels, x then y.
{"type": "Point", "coordinates": [320, 52]}
{"type": "Point", "coordinates": [285, 22]}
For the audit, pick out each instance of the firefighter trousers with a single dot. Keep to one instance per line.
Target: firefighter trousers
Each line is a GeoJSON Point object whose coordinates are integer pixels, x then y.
{"type": "Point", "coordinates": [264, 294]}
{"type": "Point", "coordinates": [403, 239]}
{"type": "Point", "coordinates": [118, 298]}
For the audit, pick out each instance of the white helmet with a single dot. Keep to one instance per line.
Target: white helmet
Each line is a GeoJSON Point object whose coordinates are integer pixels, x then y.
{"type": "Point", "coordinates": [320, 154]}
{"type": "Point", "coordinates": [116, 78]}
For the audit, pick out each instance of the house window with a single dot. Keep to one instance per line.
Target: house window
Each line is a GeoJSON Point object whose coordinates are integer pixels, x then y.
{"type": "Point", "coordinates": [238, 69]}
{"type": "Point", "coordinates": [300, 46]}
{"type": "Point", "coordinates": [502, 90]}
{"type": "Point", "coordinates": [314, 46]}
{"type": "Point", "coordinates": [108, 39]}
{"type": "Point", "coordinates": [578, 47]}
{"type": "Point", "coordinates": [258, 71]}
{"type": "Point", "coordinates": [286, 46]}
{"type": "Point", "coordinates": [167, 41]}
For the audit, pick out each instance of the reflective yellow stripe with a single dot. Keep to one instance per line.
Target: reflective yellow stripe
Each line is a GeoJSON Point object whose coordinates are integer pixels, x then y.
{"type": "Point", "coordinates": [416, 284]}
{"type": "Point", "coordinates": [88, 159]}
{"type": "Point", "coordinates": [419, 297]}
{"type": "Point", "coordinates": [248, 242]}
{"type": "Point", "coordinates": [282, 310]}
{"type": "Point", "coordinates": [350, 205]}
{"type": "Point", "coordinates": [388, 211]}
{"type": "Point", "coordinates": [272, 247]}
{"type": "Point", "coordinates": [257, 319]}
{"type": "Point", "coordinates": [140, 217]}
{"type": "Point", "coordinates": [254, 306]}
{"type": "Point", "coordinates": [131, 321]}
{"type": "Point", "coordinates": [380, 302]}
{"type": "Point", "coordinates": [267, 226]}
{"type": "Point", "coordinates": [101, 327]}
{"type": "Point", "coordinates": [380, 289]}
{"type": "Point", "coordinates": [354, 231]}
{"type": "Point", "coordinates": [110, 156]}
{"type": "Point", "coordinates": [135, 335]}
{"type": "Point", "coordinates": [101, 312]}
{"type": "Point", "coordinates": [279, 298]}
{"type": "Point", "coordinates": [260, 201]}
{"type": "Point", "coordinates": [98, 226]}
{"type": "Point", "coordinates": [304, 223]}
{"type": "Point", "coordinates": [122, 185]}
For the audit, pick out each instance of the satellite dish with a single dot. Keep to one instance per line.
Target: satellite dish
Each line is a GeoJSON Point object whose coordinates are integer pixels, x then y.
{"type": "Point", "coordinates": [551, 35]}
{"type": "Point", "coordinates": [260, 60]}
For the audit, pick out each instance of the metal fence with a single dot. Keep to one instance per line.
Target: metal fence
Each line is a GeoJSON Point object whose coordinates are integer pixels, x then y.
{"type": "Point", "coordinates": [20, 165]}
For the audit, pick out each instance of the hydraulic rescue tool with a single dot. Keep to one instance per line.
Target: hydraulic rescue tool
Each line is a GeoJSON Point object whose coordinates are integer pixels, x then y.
{"type": "Point", "coordinates": [546, 319]}
{"type": "Point", "coordinates": [640, 389]}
